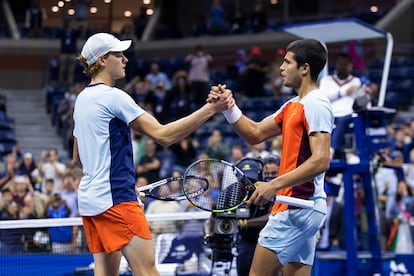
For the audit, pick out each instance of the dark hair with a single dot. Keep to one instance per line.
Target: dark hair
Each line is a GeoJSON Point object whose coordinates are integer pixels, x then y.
{"type": "Point", "coordinates": [309, 51]}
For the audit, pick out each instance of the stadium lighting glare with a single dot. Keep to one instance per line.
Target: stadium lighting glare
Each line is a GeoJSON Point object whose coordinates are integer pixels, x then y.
{"type": "Point", "coordinates": [127, 13]}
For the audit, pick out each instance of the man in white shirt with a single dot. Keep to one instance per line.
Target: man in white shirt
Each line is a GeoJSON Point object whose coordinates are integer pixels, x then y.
{"type": "Point", "coordinates": [341, 88]}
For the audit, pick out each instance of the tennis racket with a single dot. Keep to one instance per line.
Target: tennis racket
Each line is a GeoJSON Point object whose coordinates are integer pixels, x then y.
{"type": "Point", "coordinates": [171, 188]}
{"type": "Point", "coordinates": [228, 187]}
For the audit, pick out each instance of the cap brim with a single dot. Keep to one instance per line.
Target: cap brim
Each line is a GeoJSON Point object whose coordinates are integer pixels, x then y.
{"type": "Point", "coordinates": [122, 46]}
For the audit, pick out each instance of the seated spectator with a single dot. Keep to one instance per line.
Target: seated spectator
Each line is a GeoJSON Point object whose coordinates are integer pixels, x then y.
{"type": "Point", "coordinates": [11, 239]}
{"type": "Point", "coordinates": [237, 153]}
{"type": "Point", "coordinates": [61, 237]}
{"type": "Point", "coordinates": [21, 189]}
{"type": "Point", "coordinates": [155, 77]}
{"type": "Point", "coordinates": [27, 166]}
{"type": "Point", "coordinates": [162, 207]}
{"type": "Point", "coordinates": [69, 194]}
{"type": "Point", "coordinates": [257, 151]}
{"type": "Point", "coordinates": [215, 147]}
{"type": "Point", "coordinates": [138, 89]}
{"type": "Point", "coordinates": [185, 152]}
{"type": "Point", "coordinates": [150, 164]}
{"type": "Point", "coordinates": [49, 166]}
{"type": "Point", "coordinates": [11, 169]}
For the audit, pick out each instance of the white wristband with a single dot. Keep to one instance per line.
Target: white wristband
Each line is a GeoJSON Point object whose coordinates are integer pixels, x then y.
{"type": "Point", "coordinates": [233, 114]}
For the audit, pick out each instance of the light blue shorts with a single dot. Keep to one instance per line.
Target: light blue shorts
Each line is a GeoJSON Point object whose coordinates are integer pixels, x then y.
{"type": "Point", "coordinates": [291, 234]}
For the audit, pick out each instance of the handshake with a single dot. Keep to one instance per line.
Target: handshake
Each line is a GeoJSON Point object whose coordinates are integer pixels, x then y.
{"type": "Point", "coordinates": [233, 113]}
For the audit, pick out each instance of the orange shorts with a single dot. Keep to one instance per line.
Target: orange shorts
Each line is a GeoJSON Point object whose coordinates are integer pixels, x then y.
{"type": "Point", "coordinates": [114, 228]}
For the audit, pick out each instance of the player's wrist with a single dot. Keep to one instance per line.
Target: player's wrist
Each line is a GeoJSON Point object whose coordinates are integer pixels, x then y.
{"type": "Point", "coordinates": [232, 114]}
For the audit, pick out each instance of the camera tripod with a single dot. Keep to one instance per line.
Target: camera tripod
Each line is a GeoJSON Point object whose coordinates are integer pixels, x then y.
{"type": "Point", "coordinates": [222, 255]}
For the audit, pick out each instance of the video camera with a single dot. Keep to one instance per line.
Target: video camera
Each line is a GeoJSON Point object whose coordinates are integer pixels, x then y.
{"type": "Point", "coordinates": [225, 225]}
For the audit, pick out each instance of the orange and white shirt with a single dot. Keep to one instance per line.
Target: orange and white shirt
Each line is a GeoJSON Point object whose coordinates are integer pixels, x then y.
{"type": "Point", "coordinates": [298, 119]}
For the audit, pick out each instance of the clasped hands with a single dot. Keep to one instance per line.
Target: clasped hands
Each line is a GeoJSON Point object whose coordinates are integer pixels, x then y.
{"type": "Point", "coordinates": [219, 93]}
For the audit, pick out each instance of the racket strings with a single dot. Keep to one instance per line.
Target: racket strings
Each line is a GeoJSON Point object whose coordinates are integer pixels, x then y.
{"type": "Point", "coordinates": [225, 190]}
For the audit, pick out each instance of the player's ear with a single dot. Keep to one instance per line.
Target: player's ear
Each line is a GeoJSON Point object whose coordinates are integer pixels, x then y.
{"type": "Point", "coordinates": [305, 69]}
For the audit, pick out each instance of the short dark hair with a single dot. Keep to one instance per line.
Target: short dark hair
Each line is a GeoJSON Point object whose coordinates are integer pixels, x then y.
{"type": "Point", "coordinates": [309, 51]}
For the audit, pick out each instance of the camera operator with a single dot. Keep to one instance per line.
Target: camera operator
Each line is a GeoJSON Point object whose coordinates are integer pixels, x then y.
{"type": "Point", "coordinates": [249, 228]}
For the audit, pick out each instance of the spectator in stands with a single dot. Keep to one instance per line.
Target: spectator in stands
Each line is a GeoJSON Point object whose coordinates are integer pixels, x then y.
{"type": "Point", "coordinates": [11, 240]}
{"type": "Point", "coordinates": [11, 169]}
{"type": "Point", "coordinates": [21, 190]}
{"type": "Point", "coordinates": [367, 95]}
{"type": "Point", "coordinates": [150, 164]}
{"type": "Point", "coordinates": [179, 97]}
{"type": "Point", "coordinates": [49, 166]}
{"type": "Point", "coordinates": [27, 166]}
{"type": "Point", "coordinates": [257, 151]}
{"type": "Point", "coordinates": [398, 143]}
{"type": "Point", "coordinates": [157, 100]}
{"type": "Point", "coordinates": [401, 216]}
{"type": "Point", "coordinates": [155, 77]}
{"type": "Point", "coordinates": [140, 182]}
{"type": "Point", "coordinates": [185, 152]}
{"type": "Point", "coordinates": [215, 147]}
{"type": "Point", "coordinates": [189, 227]}
{"type": "Point", "coordinates": [41, 200]}
{"type": "Point", "coordinates": [276, 80]}
{"type": "Point", "coordinates": [341, 88]}
{"type": "Point", "coordinates": [81, 16]}
{"type": "Point", "coordinates": [217, 18]}
{"type": "Point", "coordinates": [237, 153]}
{"type": "Point", "coordinates": [199, 63]}
{"type": "Point", "coordinates": [237, 19]}
{"type": "Point", "coordinates": [254, 74]}
{"type": "Point", "coordinates": [61, 237]}
{"type": "Point", "coordinates": [138, 146]}
{"type": "Point", "coordinates": [258, 19]}
{"type": "Point", "coordinates": [68, 50]}
{"type": "Point", "coordinates": [70, 194]}
{"type": "Point", "coordinates": [138, 89]}
{"type": "Point", "coordinates": [162, 207]}
{"type": "Point", "coordinates": [276, 145]}
{"type": "Point", "coordinates": [34, 19]}
{"type": "Point", "coordinates": [387, 179]}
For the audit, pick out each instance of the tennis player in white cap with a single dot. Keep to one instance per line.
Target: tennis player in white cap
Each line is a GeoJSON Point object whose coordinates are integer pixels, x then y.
{"type": "Point", "coordinates": [113, 220]}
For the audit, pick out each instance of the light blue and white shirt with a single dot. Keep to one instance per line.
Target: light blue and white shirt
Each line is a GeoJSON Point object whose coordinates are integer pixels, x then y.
{"type": "Point", "coordinates": [102, 116]}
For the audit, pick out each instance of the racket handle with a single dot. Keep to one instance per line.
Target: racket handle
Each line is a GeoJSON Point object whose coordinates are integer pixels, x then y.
{"type": "Point", "coordinates": [142, 194]}
{"type": "Point", "coordinates": [298, 202]}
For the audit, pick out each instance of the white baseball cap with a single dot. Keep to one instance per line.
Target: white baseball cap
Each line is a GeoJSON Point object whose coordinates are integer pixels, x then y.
{"type": "Point", "coordinates": [100, 44]}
